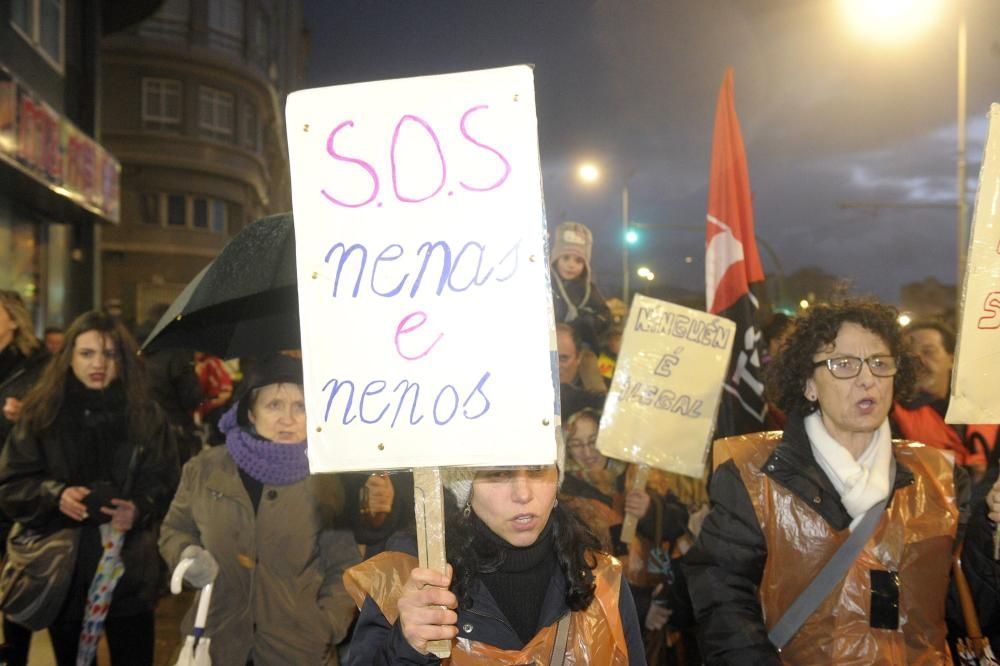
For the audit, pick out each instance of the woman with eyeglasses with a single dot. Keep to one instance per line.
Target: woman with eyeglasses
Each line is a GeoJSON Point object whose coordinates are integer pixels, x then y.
{"type": "Point", "coordinates": [783, 503]}
{"type": "Point", "coordinates": [600, 489]}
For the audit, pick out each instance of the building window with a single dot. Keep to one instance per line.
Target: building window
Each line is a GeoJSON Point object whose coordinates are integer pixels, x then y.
{"type": "Point", "coordinates": [215, 112]}
{"type": "Point", "coordinates": [176, 210]}
{"type": "Point", "coordinates": [251, 128]}
{"type": "Point", "coordinates": [41, 23]}
{"type": "Point", "coordinates": [185, 211]}
{"type": "Point", "coordinates": [219, 209]}
{"type": "Point", "coordinates": [225, 25]}
{"type": "Point", "coordinates": [262, 39]}
{"type": "Point", "coordinates": [161, 104]}
{"type": "Point", "coordinates": [169, 22]}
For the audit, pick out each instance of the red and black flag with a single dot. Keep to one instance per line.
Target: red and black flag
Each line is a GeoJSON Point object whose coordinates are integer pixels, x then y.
{"type": "Point", "coordinates": [733, 270]}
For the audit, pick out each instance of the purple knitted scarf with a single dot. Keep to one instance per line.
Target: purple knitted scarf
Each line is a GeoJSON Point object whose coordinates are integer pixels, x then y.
{"type": "Point", "coordinates": [268, 462]}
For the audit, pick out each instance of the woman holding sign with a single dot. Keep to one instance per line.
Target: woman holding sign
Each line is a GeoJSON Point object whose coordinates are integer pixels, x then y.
{"type": "Point", "coordinates": [830, 541]}
{"type": "Point", "coordinates": [526, 583]}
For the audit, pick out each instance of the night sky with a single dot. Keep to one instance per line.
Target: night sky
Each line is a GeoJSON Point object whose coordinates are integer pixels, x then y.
{"type": "Point", "coordinates": [828, 117]}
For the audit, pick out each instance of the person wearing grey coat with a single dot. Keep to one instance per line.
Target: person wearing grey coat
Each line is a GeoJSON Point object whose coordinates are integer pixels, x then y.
{"type": "Point", "coordinates": [260, 526]}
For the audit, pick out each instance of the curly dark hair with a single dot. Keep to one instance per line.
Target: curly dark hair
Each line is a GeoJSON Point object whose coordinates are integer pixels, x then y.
{"type": "Point", "coordinates": [818, 328]}
{"type": "Point", "coordinates": [469, 554]}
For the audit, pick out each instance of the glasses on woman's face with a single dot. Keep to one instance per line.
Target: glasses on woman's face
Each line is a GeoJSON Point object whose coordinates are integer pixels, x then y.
{"type": "Point", "coordinates": [577, 445]}
{"type": "Point", "coordinates": [849, 367]}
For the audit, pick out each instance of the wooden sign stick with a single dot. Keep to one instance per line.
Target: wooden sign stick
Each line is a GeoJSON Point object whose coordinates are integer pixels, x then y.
{"type": "Point", "coordinates": [631, 521]}
{"type": "Point", "coordinates": [428, 508]}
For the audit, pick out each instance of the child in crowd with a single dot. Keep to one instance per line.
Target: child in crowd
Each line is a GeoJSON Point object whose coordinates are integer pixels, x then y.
{"type": "Point", "coordinates": [576, 298]}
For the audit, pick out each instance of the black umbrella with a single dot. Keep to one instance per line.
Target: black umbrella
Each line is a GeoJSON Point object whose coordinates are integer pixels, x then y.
{"type": "Point", "coordinates": [244, 303]}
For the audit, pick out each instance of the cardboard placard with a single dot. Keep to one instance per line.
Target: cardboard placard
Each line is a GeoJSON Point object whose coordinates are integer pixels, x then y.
{"type": "Point", "coordinates": [424, 298]}
{"type": "Point", "coordinates": [665, 392]}
{"type": "Point", "coordinates": [977, 352]}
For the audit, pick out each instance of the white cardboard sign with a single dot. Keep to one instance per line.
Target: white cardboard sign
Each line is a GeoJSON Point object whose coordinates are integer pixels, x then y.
{"type": "Point", "coordinates": [665, 392]}
{"type": "Point", "coordinates": [423, 288]}
{"type": "Point", "coordinates": [977, 355]}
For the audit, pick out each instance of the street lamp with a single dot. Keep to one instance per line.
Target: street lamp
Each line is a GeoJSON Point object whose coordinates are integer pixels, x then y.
{"type": "Point", "coordinates": [590, 173]}
{"type": "Point", "coordinates": [893, 20]}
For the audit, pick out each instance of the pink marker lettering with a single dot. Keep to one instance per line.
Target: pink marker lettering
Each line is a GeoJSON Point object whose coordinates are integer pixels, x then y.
{"type": "Point", "coordinates": [506, 164]}
{"type": "Point", "coordinates": [403, 329]}
{"type": "Point", "coordinates": [392, 158]}
{"type": "Point", "coordinates": [361, 163]}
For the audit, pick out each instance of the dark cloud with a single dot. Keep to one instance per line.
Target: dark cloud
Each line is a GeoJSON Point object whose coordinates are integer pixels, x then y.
{"type": "Point", "coordinates": [826, 117]}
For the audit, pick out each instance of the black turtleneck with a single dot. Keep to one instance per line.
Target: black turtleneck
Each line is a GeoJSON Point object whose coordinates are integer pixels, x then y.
{"type": "Point", "coordinates": [520, 582]}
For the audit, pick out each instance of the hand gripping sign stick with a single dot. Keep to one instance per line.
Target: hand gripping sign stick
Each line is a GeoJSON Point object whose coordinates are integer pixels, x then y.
{"type": "Point", "coordinates": [632, 520]}
{"type": "Point", "coordinates": [428, 507]}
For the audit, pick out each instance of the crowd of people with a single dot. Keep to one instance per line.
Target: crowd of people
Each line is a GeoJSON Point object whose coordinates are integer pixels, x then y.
{"type": "Point", "coordinates": [853, 503]}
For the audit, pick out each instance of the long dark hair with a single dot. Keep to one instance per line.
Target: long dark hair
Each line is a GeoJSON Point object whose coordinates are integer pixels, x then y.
{"type": "Point", "coordinates": [45, 399]}
{"type": "Point", "coordinates": [469, 553]}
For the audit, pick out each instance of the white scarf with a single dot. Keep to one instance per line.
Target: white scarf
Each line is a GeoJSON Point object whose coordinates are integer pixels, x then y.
{"type": "Point", "coordinates": [861, 483]}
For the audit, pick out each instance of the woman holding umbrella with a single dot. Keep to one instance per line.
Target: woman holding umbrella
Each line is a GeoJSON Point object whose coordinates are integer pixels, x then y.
{"type": "Point", "coordinates": [249, 517]}
{"type": "Point", "coordinates": [92, 451]}
{"type": "Point", "coordinates": [833, 487]}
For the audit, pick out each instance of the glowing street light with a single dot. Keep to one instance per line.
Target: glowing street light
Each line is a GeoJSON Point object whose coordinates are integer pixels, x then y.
{"type": "Point", "coordinates": [804, 304]}
{"type": "Point", "coordinates": [644, 272]}
{"type": "Point", "coordinates": [904, 319]}
{"type": "Point", "coordinates": [892, 21]}
{"type": "Point", "coordinates": [589, 172]}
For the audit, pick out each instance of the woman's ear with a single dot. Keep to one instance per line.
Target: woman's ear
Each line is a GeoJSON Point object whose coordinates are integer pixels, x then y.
{"type": "Point", "coordinates": [810, 390]}
{"type": "Point", "coordinates": [250, 417]}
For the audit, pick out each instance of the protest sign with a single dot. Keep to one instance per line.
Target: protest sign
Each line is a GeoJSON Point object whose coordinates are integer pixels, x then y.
{"type": "Point", "coordinates": [423, 286]}
{"type": "Point", "coordinates": [977, 353]}
{"type": "Point", "coordinates": [664, 395]}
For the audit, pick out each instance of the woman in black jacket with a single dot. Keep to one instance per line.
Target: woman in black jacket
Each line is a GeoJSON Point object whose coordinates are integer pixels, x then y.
{"type": "Point", "coordinates": [91, 448]}
{"type": "Point", "coordinates": [521, 568]}
{"type": "Point", "coordinates": [22, 358]}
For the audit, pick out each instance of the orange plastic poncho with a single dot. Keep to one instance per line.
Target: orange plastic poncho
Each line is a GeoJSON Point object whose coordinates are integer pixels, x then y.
{"type": "Point", "coordinates": [914, 538]}
{"type": "Point", "coordinates": [596, 635]}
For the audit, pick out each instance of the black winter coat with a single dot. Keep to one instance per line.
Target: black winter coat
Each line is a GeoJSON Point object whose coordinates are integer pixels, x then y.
{"type": "Point", "coordinates": [725, 566]}
{"type": "Point", "coordinates": [18, 374]}
{"type": "Point", "coordinates": [35, 468]}
{"type": "Point", "coordinates": [594, 316]}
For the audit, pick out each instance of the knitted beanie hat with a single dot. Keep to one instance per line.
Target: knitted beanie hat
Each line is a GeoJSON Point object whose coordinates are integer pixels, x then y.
{"type": "Point", "coordinates": [573, 238]}
{"type": "Point", "coordinates": [273, 369]}
{"type": "Point", "coordinates": [459, 479]}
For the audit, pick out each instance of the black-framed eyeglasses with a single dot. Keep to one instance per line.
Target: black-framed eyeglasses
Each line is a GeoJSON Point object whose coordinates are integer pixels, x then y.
{"type": "Point", "coordinates": [849, 367]}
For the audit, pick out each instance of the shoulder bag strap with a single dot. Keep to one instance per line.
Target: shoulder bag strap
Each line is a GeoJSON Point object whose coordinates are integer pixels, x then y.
{"type": "Point", "coordinates": [558, 657]}
{"type": "Point", "coordinates": [832, 573]}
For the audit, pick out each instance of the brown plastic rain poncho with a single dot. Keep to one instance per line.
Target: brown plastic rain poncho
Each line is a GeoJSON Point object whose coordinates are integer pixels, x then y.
{"type": "Point", "coordinates": [596, 634]}
{"type": "Point", "coordinates": [913, 541]}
